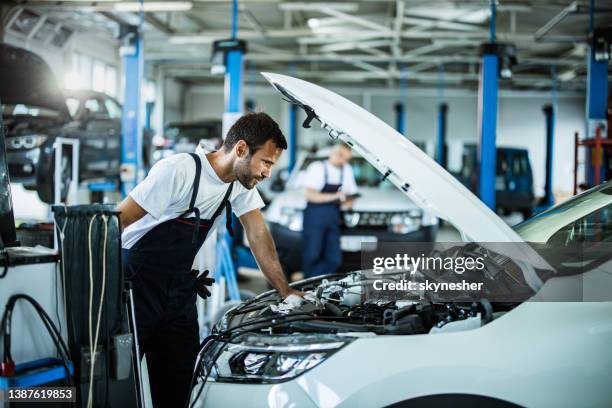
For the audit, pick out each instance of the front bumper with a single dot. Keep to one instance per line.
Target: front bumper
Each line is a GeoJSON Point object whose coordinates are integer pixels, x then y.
{"type": "Point", "coordinates": [289, 244]}
{"type": "Point", "coordinates": [23, 165]}
{"type": "Point", "coordinates": [288, 394]}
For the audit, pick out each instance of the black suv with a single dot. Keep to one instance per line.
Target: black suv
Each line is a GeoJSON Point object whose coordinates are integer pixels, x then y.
{"type": "Point", "coordinates": [35, 112]}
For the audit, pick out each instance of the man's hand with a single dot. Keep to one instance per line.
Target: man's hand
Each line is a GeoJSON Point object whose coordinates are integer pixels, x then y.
{"type": "Point", "coordinates": [202, 282]}
{"type": "Point", "coordinates": [264, 250]}
{"type": "Point", "coordinates": [290, 291]}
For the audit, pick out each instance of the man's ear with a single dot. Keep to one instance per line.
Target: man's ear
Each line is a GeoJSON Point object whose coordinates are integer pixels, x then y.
{"type": "Point", "coordinates": [241, 148]}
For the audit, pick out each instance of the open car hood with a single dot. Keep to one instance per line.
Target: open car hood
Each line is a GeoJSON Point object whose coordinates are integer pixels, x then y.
{"type": "Point", "coordinates": [28, 80]}
{"type": "Point", "coordinates": [404, 164]}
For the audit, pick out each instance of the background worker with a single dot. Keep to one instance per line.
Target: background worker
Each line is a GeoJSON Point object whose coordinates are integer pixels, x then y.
{"type": "Point", "coordinates": [328, 185]}
{"type": "Point", "coordinates": [167, 218]}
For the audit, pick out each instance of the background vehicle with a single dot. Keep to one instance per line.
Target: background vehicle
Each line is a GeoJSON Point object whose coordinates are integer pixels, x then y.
{"type": "Point", "coordinates": [183, 137]}
{"type": "Point", "coordinates": [36, 112]}
{"type": "Point", "coordinates": [514, 178]}
{"type": "Point", "coordinates": [381, 213]}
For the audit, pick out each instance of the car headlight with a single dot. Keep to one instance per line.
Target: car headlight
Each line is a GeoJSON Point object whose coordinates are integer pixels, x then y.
{"type": "Point", "coordinates": [269, 359]}
{"type": "Point", "coordinates": [291, 218]}
{"type": "Point", "coordinates": [25, 142]}
{"type": "Point", "coordinates": [404, 223]}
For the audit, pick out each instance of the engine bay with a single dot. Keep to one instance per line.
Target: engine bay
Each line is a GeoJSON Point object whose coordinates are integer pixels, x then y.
{"type": "Point", "coordinates": [348, 304]}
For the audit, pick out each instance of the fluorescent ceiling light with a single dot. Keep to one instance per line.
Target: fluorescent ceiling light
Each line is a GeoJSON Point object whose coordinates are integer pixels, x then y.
{"type": "Point", "coordinates": [151, 6]}
{"type": "Point", "coordinates": [314, 23]}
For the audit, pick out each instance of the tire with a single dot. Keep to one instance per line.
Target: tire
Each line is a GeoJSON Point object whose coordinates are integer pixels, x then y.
{"type": "Point", "coordinates": [45, 186]}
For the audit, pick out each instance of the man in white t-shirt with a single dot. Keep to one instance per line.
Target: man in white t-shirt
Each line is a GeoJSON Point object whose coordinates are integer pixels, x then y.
{"type": "Point", "coordinates": [166, 219]}
{"type": "Point", "coordinates": [328, 184]}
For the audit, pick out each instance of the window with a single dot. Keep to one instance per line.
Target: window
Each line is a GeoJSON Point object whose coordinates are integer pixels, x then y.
{"type": "Point", "coordinates": [114, 111]}
{"type": "Point", "coordinates": [93, 106]}
{"type": "Point", "coordinates": [110, 83]}
{"type": "Point", "coordinates": [99, 76]}
{"type": "Point", "coordinates": [91, 73]}
{"type": "Point", "coordinates": [73, 105]}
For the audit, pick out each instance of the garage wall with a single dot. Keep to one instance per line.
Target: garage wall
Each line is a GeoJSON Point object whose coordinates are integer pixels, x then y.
{"type": "Point", "coordinates": [520, 121]}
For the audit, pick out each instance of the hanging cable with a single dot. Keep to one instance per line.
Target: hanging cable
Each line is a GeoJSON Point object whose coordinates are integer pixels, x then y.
{"type": "Point", "coordinates": [93, 339]}
{"type": "Point", "coordinates": [62, 235]}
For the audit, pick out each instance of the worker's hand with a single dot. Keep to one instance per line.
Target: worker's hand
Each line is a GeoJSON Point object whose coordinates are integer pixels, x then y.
{"type": "Point", "coordinates": [348, 203]}
{"type": "Point", "coordinates": [202, 282]}
{"type": "Point", "coordinates": [290, 291]}
{"type": "Point", "coordinates": [340, 196]}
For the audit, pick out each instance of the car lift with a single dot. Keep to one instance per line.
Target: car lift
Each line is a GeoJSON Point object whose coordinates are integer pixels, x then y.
{"type": "Point", "coordinates": [597, 101]}
{"type": "Point", "coordinates": [441, 148]}
{"type": "Point", "coordinates": [131, 122]}
{"type": "Point", "coordinates": [487, 115]}
{"type": "Point", "coordinates": [232, 51]}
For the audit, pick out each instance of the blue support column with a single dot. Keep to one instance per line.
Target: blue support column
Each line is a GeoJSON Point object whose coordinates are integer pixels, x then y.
{"type": "Point", "coordinates": [400, 125]}
{"type": "Point", "coordinates": [597, 100]}
{"type": "Point", "coordinates": [487, 110]}
{"type": "Point", "coordinates": [488, 128]}
{"type": "Point", "coordinates": [549, 112]}
{"type": "Point", "coordinates": [131, 123]}
{"type": "Point", "coordinates": [293, 129]}
{"type": "Point", "coordinates": [441, 155]}
{"type": "Point", "coordinates": [234, 75]}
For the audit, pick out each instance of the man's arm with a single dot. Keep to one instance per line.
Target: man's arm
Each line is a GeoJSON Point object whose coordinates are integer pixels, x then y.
{"type": "Point", "coordinates": [315, 196]}
{"type": "Point", "coordinates": [129, 212]}
{"type": "Point", "coordinates": [264, 250]}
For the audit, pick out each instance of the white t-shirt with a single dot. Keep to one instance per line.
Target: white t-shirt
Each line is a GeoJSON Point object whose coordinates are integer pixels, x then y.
{"type": "Point", "coordinates": [166, 193]}
{"type": "Point", "coordinates": [315, 177]}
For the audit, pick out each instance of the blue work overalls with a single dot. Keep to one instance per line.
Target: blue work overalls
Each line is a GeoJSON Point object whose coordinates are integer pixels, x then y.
{"type": "Point", "coordinates": [321, 233]}
{"type": "Point", "coordinates": [159, 267]}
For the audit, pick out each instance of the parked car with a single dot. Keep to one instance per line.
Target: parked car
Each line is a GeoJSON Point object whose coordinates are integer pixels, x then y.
{"type": "Point", "coordinates": [36, 112]}
{"type": "Point", "coordinates": [381, 213]}
{"type": "Point", "coordinates": [513, 181]}
{"type": "Point", "coordinates": [184, 137]}
{"type": "Point", "coordinates": [344, 347]}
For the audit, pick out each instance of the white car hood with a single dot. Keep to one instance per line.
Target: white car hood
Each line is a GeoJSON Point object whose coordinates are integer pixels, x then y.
{"type": "Point", "coordinates": [405, 165]}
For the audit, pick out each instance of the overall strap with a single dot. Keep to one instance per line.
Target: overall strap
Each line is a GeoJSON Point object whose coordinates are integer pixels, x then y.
{"type": "Point", "coordinates": [225, 204]}
{"type": "Point", "coordinates": [324, 173]}
{"type": "Point", "coordinates": [194, 194]}
{"type": "Point", "coordinates": [196, 180]}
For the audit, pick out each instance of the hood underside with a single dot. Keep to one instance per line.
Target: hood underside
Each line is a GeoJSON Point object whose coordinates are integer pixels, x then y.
{"type": "Point", "coordinates": [27, 79]}
{"type": "Point", "coordinates": [410, 169]}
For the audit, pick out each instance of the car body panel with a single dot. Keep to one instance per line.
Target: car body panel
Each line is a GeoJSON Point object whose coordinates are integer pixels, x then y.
{"type": "Point", "coordinates": [501, 360]}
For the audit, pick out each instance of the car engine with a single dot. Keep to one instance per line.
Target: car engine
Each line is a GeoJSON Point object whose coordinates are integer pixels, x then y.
{"type": "Point", "coordinates": [349, 305]}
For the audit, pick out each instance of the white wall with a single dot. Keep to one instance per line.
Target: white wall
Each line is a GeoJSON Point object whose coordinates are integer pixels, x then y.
{"type": "Point", "coordinates": [520, 120]}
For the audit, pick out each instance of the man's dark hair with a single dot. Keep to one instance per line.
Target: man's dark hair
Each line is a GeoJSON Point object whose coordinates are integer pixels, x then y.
{"type": "Point", "coordinates": [255, 129]}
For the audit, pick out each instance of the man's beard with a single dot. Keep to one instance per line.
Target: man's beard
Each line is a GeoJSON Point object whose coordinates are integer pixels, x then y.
{"type": "Point", "coordinates": [243, 173]}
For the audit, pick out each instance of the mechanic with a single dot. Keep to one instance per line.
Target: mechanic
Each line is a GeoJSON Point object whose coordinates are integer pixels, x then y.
{"type": "Point", "coordinates": [328, 184]}
{"type": "Point", "coordinates": [166, 219]}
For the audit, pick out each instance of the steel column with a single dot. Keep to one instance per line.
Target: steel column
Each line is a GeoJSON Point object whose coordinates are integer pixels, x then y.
{"type": "Point", "coordinates": [400, 124]}
{"type": "Point", "coordinates": [487, 111]}
{"type": "Point", "coordinates": [597, 100]}
{"type": "Point", "coordinates": [549, 112]}
{"type": "Point", "coordinates": [131, 122]}
{"type": "Point", "coordinates": [441, 155]}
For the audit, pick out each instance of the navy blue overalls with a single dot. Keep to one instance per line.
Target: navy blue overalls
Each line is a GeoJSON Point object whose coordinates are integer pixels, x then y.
{"type": "Point", "coordinates": [321, 233]}
{"type": "Point", "coordinates": [159, 267]}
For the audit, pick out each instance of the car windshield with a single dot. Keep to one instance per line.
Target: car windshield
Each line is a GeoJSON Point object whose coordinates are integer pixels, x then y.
{"type": "Point", "coordinates": [577, 229]}
{"type": "Point", "coordinates": [365, 174]}
{"type": "Point", "coordinates": [28, 110]}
